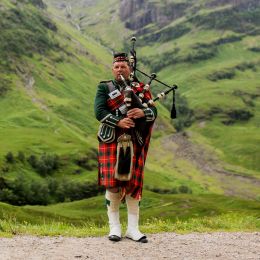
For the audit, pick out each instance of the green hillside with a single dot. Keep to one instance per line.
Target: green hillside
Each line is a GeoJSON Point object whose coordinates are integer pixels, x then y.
{"type": "Point", "coordinates": [54, 53]}
{"type": "Point", "coordinates": [48, 129]}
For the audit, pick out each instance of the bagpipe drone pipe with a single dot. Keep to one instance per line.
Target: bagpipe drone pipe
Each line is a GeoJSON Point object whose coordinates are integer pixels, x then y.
{"type": "Point", "coordinates": [152, 77]}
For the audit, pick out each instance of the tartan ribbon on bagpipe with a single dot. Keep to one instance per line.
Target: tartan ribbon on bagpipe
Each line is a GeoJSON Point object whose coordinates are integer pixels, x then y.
{"type": "Point", "coordinates": [115, 103]}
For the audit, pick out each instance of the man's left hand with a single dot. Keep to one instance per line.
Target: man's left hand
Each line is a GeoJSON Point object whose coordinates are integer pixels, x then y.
{"type": "Point", "coordinates": [135, 113]}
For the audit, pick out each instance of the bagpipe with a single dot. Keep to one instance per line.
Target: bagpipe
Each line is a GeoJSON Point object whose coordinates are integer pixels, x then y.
{"type": "Point", "coordinates": [146, 100]}
{"type": "Point", "coordinates": [137, 95]}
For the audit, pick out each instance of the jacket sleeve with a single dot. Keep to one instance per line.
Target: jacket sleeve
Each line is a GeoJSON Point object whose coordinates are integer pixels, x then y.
{"type": "Point", "coordinates": [102, 112]}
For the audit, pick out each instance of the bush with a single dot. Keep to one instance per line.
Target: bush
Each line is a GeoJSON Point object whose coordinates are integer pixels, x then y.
{"type": "Point", "coordinates": [167, 34]}
{"type": "Point", "coordinates": [199, 54]}
{"type": "Point", "coordinates": [32, 160]}
{"type": "Point", "coordinates": [237, 115]}
{"type": "Point", "coordinates": [21, 156]}
{"type": "Point", "coordinates": [184, 189]}
{"type": "Point", "coordinates": [88, 161]}
{"type": "Point", "coordinates": [2, 183]}
{"type": "Point", "coordinates": [255, 49]}
{"type": "Point", "coordinates": [240, 115]}
{"type": "Point", "coordinates": [46, 164]}
{"type": "Point", "coordinates": [9, 157]}
{"type": "Point", "coordinates": [222, 74]}
{"type": "Point", "coordinates": [185, 115]}
{"type": "Point", "coordinates": [175, 190]}
{"type": "Point", "coordinates": [4, 86]}
{"type": "Point", "coordinates": [164, 191]}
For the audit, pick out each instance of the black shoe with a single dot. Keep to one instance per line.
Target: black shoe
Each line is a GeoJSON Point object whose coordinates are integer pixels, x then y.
{"type": "Point", "coordinates": [114, 238]}
{"type": "Point", "coordinates": [140, 240]}
{"type": "Point", "coordinates": [143, 240]}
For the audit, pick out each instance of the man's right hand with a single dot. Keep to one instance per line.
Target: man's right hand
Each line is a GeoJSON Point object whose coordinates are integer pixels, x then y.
{"type": "Point", "coordinates": [126, 123]}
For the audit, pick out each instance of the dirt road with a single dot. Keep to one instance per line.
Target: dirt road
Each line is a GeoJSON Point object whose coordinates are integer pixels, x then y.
{"type": "Point", "coordinates": [160, 246]}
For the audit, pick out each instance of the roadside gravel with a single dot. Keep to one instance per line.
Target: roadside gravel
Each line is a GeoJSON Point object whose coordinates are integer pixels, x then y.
{"type": "Point", "coordinates": [219, 245]}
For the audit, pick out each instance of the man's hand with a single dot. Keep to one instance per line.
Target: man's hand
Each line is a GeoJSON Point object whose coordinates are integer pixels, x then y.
{"type": "Point", "coordinates": [126, 123]}
{"type": "Point", "coordinates": [135, 113]}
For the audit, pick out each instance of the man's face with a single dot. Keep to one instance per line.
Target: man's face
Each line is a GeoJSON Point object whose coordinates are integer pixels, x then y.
{"type": "Point", "coordinates": [121, 67]}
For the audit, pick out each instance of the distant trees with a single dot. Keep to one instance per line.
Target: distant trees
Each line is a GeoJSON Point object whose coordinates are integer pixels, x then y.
{"type": "Point", "coordinates": [25, 191]}
{"type": "Point", "coordinates": [175, 190]}
{"type": "Point", "coordinates": [185, 115]}
{"type": "Point", "coordinates": [44, 189]}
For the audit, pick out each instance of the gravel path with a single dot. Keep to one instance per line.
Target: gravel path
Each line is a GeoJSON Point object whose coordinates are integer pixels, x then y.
{"type": "Point", "coordinates": [160, 246]}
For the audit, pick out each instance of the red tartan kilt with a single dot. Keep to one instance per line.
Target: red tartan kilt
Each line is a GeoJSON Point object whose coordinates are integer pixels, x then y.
{"type": "Point", "coordinates": [106, 166]}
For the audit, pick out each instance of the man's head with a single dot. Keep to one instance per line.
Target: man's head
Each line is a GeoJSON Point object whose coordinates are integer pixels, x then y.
{"type": "Point", "coordinates": [121, 66]}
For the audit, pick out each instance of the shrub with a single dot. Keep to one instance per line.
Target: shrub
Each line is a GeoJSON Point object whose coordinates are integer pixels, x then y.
{"type": "Point", "coordinates": [222, 74]}
{"type": "Point", "coordinates": [240, 114]}
{"type": "Point", "coordinates": [21, 156]}
{"type": "Point", "coordinates": [185, 115]}
{"type": "Point", "coordinates": [46, 164]}
{"type": "Point", "coordinates": [237, 115]}
{"type": "Point", "coordinates": [9, 157]}
{"type": "Point", "coordinates": [175, 190]}
{"type": "Point", "coordinates": [255, 49]}
{"type": "Point", "coordinates": [4, 86]}
{"type": "Point", "coordinates": [169, 33]}
{"type": "Point", "coordinates": [88, 161]}
{"type": "Point", "coordinates": [32, 160]}
{"type": "Point", "coordinates": [184, 189]}
{"type": "Point", "coordinates": [2, 183]}
{"type": "Point", "coordinates": [199, 54]}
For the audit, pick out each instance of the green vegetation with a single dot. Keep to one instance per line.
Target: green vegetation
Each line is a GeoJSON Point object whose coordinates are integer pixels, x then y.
{"type": "Point", "coordinates": [18, 24]}
{"type": "Point", "coordinates": [178, 213]}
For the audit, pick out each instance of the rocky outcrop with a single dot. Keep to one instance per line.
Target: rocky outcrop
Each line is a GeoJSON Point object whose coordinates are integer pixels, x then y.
{"type": "Point", "coordinates": [138, 13]}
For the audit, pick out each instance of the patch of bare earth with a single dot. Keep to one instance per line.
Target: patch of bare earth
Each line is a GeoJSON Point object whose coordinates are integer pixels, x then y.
{"type": "Point", "coordinates": [160, 246]}
{"type": "Point", "coordinates": [206, 162]}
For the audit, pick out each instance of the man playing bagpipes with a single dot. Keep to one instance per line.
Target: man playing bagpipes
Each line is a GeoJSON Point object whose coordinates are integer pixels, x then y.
{"type": "Point", "coordinates": [126, 113]}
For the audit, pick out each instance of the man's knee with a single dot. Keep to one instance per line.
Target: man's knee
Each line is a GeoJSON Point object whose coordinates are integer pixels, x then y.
{"type": "Point", "coordinates": [113, 190]}
{"type": "Point", "coordinates": [113, 199]}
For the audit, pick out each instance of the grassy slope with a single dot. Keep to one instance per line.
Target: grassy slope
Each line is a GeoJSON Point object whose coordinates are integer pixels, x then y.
{"type": "Point", "coordinates": [65, 122]}
{"type": "Point", "coordinates": [170, 213]}
{"type": "Point", "coordinates": [239, 143]}
{"type": "Point", "coordinates": [56, 115]}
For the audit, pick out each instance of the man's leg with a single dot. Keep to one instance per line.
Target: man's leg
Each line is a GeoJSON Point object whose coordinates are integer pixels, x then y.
{"type": "Point", "coordinates": [113, 202]}
{"type": "Point", "coordinates": [133, 219]}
